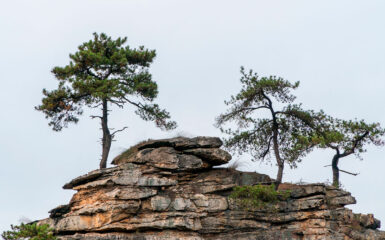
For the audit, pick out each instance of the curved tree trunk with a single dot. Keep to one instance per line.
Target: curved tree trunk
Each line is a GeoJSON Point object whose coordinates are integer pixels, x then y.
{"type": "Point", "coordinates": [280, 161]}
{"type": "Point", "coordinates": [107, 138]}
{"type": "Point", "coordinates": [336, 170]}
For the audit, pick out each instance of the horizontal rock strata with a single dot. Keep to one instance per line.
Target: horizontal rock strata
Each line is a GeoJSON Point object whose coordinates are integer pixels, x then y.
{"type": "Point", "coordinates": [168, 189]}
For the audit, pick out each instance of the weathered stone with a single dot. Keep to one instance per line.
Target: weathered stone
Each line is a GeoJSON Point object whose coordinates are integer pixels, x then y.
{"type": "Point", "coordinates": [158, 220]}
{"type": "Point", "coordinates": [368, 234]}
{"type": "Point", "coordinates": [213, 156]}
{"type": "Point", "coordinates": [59, 211]}
{"type": "Point", "coordinates": [219, 180]}
{"type": "Point", "coordinates": [179, 143]}
{"type": "Point", "coordinates": [217, 204]}
{"type": "Point", "coordinates": [307, 190]}
{"type": "Point", "coordinates": [166, 189]}
{"type": "Point", "coordinates": [183, 143]}
{"type": "Point", "coordinates": [94, 184]}
{"type": "Point", "coordinates": [275, 216]}
{"type": "Point", "coordinates": [368, 221]}
{"type": "Point", "coordinates": [165, 158]}
{"type": "Point", "coordinates": [183, 204]}
{"type": "Point", "coordinates": [342, 201]}
{"type": "Point", "coordinates": [303, 204]}
{"type": "Point", "coordinates": [84, 179]}
{"type": "Point", "coordinates": [130, 193]}
{"type": "Point", "coordinates": [219, 224]}
{"type": "Point", "coordinates": [126, 207]}
{"type": "Point", "coordinates": [164, 235]}
{"type": "Point", "coordinates": [210, 202]}
{"type": "Point", "coordinates": [201, 200]}
{"type": "Point", "coordinates": [129, 178]}
{"type": "Point", "coordinates": [156, 181]}
{"type": "Point", "coordinates": [160, 203]}
{"type": "Point", "coordinates": [199, 142]}
{"type": "Point", "coordinates": [190, 162]}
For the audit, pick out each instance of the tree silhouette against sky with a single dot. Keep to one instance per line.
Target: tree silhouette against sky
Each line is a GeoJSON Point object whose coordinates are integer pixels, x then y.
{"type": "Point", "coordinates": [104, 72]}
{"type": "Point", "coordinates": [261, 129]}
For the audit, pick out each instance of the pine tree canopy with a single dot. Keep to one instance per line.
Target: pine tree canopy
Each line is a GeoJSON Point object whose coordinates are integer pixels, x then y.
{"type": "Point", "coordinates": [345, 136]}
{"type": "Point", "coordinates": [101, 73]}
{"type": "Point", "coordinates": [257, 131]}
{"type": "Point", "coordinates": [30, 231]}
{"type": "Point", "coordinates": [104, 69]}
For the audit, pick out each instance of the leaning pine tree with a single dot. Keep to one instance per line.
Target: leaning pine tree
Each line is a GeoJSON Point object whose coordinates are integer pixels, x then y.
{"type": "Point", "coordinates": [280, 132]}
{"type": "Point", "coordinates": [104, 72]}
{"type": "Point", "coordinates": [345, 138]}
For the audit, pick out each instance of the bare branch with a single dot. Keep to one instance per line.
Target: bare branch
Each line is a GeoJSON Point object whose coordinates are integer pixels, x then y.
{"type": "Point", "coordinates": [93, 116]}
{"type": "Point", "coordinates": [354, 174]}
{"type": "Point", "coordinates": [120, 130]}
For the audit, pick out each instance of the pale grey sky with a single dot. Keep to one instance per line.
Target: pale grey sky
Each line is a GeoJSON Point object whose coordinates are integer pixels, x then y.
{"type": "Point", "coordinates": [335, 48]}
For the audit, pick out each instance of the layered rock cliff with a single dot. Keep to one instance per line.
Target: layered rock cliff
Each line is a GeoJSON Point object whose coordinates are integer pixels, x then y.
{"type": "Point", "coordinates": [168, 189]}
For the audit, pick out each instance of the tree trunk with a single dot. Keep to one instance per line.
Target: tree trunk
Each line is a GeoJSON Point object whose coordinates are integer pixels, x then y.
{"type": "Point", "coordinates": [280, 162]}
{"type": "Point", "coordinates": [107, 138]}
{"type": "Point", "coordinates": [336, 171]}
{"type": "Point", "coordinates": [280, 173]}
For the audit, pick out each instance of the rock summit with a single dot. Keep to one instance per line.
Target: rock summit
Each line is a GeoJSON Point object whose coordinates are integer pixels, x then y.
{"type": "Point", "coordinates": [168, 189]}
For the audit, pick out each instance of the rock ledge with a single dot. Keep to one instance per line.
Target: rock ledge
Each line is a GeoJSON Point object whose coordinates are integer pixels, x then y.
{"type": "Point", "coordinates": [168, 189]}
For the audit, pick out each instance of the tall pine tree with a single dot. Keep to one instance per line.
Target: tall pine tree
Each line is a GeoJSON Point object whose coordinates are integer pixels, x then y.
{"type": "Point", "coordinates": [267, 122]}
{"type": "Point", "coordinates": [104, 72]}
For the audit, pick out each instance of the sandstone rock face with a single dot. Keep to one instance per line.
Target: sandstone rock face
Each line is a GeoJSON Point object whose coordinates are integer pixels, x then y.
{"type": "Point", "coordinates": [167, 189]}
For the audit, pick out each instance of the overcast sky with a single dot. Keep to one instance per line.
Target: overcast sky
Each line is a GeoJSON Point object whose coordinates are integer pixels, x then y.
{"type": "Point", "coordinates": [336, 49]}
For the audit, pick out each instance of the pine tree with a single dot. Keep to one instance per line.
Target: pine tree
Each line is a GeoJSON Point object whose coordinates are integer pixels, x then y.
{"type": "Point", "coordinates": [280, 132]}
{"type": "Point", "coordinates": [104, 72]}
{"type": "Point", "coordinates": [345, 137]}
{"type": "Point", "coordinates": [29, 231]}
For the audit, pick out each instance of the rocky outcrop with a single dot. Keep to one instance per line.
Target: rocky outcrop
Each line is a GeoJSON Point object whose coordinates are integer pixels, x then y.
{"type": "Point", "coordinates": [168, 189]}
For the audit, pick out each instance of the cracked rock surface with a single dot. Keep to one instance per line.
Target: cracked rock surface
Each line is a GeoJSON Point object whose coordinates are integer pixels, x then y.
{"type": "Point", "coordinates": [168, 189]}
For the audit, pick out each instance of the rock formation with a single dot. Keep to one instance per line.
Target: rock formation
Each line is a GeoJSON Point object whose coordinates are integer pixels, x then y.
{"type": "Point", "coordinates": [168, 189]}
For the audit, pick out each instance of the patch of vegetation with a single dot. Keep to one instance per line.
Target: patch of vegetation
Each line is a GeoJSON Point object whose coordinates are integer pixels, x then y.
{"type": "Point", "coordinates": [258, 196]}
{"type": "Point", "coordinates": [29, 231]}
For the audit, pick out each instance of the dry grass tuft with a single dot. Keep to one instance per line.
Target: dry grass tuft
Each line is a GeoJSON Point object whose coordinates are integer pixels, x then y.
{"type": "Point", "coordinates": [129, 152]}
{"type": "Point", "coordinates": [234, 165]}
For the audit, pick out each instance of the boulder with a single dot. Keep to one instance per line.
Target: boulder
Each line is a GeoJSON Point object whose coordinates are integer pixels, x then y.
{"type": "Point", "coordinates": [179, 143]}
{"type": "Point", "coordinates": [213, 156]}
